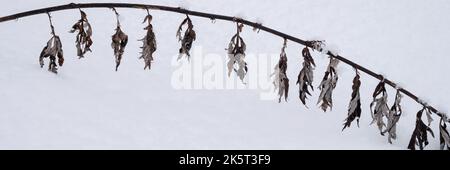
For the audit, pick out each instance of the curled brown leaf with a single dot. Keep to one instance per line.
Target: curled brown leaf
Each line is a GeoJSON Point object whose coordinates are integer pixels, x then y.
{"type": "Point", "coordinates": [149, 43]}
{"type": "Point", "coordinates": [327, 85]}
{"type": "Point", "coordinates": [444, 136]}
{"type": "Point", "coordinates": [119, 42]}
{"type": "Point", "coordinates": [281, 81]}
{"type": "Point", "coordinates": [52, 50]}
{"type": "Point", "coordinates": [420, 133]}
{"type": "Point", "coordinates": [306, 76]}
{"type": "Point", "coordinates": [83, 38]}
{"type": "Point", "coordinates": [188, 38]}
{"type": "Point", "coordinates": [378, 107]}
{"type": "Point", "coordinates": [354, 108]}
{"type": "Point", "coordinates": [236, 54]}
{"type": "Point", "coordinates": [393, 117]}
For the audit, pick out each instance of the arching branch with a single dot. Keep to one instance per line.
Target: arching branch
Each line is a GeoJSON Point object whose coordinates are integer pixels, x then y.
{"type": "Point", "coordinates": [258, 26]}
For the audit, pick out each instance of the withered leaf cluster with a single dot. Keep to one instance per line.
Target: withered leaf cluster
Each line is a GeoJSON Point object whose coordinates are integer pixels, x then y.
{"type": "Point", "coordinates": [392, 118]}
{"type": "Point", "coordinates": [236, 54]}
{"type": "Point", "coordinates": [420, 133]}
{"type": "Point", "coordinates": [188, 38]}
{"type": "Point", "coordinates": [281, 81]}
{"type": "Point", "coordinates": [119, 42]}
{"type": "Point", "coordinates": [149, 43]}
{"type": "Point", "coordinates": [306, 76]}
{"type": "Point", "coordinates": [354, 108]}
{"type": "Point", "coordinates": [83, 38]}
{"type": "Point", "coordinates": [379, 107]}
{"type": "Point", "coordinates": [444, 136]}
{"type": "Point", "coordinates": [327, 85]}
{"type": "Point", "coordinates": [52, 50]}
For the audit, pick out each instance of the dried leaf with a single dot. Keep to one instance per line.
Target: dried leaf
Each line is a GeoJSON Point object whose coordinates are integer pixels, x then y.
{"type": "Point", "coordinates": [236, 54]}
{"type": "Point", "coordinates": [381, 108]}
{"type": "Point", "coordinates": [327, 85]}
{"type": "Point", "coordinates": [305, 77]}
{"type": "Point", "coordinates": [379, 89]}
{"type": "Point", "coordinates": [119, 42]}
{"type": "Point", "coordinates": [149, 43]}
{"type": "Point", "coordinates": [419, 136]}
{"type": "Point", "coordinates": [52, 50]}
{"type": "Point", "coordinates": [393, 117]}
{"type": "Point", "coordinates": [281, 81]}
{"type": "Point", "coordinates": [83, 38]}
{"type": "Point", "coordinates": [354, 108]}
{"type": "Point", "coordinates": [444, 136]}
{"type": "Point", "coordinates": [429, 118]}
{"type": "Point", "coordinates": [188, 38]}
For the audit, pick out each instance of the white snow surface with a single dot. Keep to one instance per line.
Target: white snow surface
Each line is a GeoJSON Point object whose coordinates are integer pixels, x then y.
{"type": "Point", "coordinates": [88, 105]}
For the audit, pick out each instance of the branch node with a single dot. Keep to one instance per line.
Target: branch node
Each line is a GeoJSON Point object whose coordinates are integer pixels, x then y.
{"type": "Point", "coordinates": [317, 45]}
{"type": "Point", "coordinates": [237, 19]}
{"type": "Point", "coordinates": [257, 28]}
{"type": "Point", "coordinates": [73, 4]}
{"type": "Point", "coordinates": [382, 78]}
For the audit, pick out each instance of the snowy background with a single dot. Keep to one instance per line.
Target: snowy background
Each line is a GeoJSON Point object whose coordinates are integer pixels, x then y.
{"type": "Point", "coordinates": [90, 106]}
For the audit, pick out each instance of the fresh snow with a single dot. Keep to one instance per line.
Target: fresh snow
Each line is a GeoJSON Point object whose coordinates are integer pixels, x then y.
{"type": "Point", "coordinates": [88, 105]}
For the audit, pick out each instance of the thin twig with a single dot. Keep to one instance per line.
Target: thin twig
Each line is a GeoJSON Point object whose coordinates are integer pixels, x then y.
{"type": "Point", "coordinates": [51, 23]}
{"type": "Point", "coordinates": [117, 16]}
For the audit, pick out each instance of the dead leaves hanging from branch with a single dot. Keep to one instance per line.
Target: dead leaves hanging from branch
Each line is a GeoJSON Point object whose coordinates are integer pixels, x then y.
{"type": "Point", "coordinates": [188, 38]}
{"type": "Point", "coordinates": [83, 38]}
{"type": "Point", "coordinates": [281, 81]}
{"type": "Point", "coordinates": [444, 136]}
{"type": "Point", "coordinates": [119, 41]}
{"type": "Point", "coordinates": [236, 54]}
{"type": "Point", "coordinates": [392, 118]}
{"type": "Point", "coordinates": [420, 133]}
{"type": "Point", "coordinates": [149, 43]}
{"type": "Point", "coordinates": [306, 76]}
{"type": "Point", "coordinates": [379, 107]}
{"type": "Point", "coordinates": [52, 50]}
{"type": "Point", "coordinates": [327, 85]}
{"type": "Point", "coordinates": [354, 108]}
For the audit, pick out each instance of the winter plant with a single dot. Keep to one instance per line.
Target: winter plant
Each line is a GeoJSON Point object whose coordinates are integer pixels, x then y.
{"type": "Point", "coordinates": [385, 118]}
